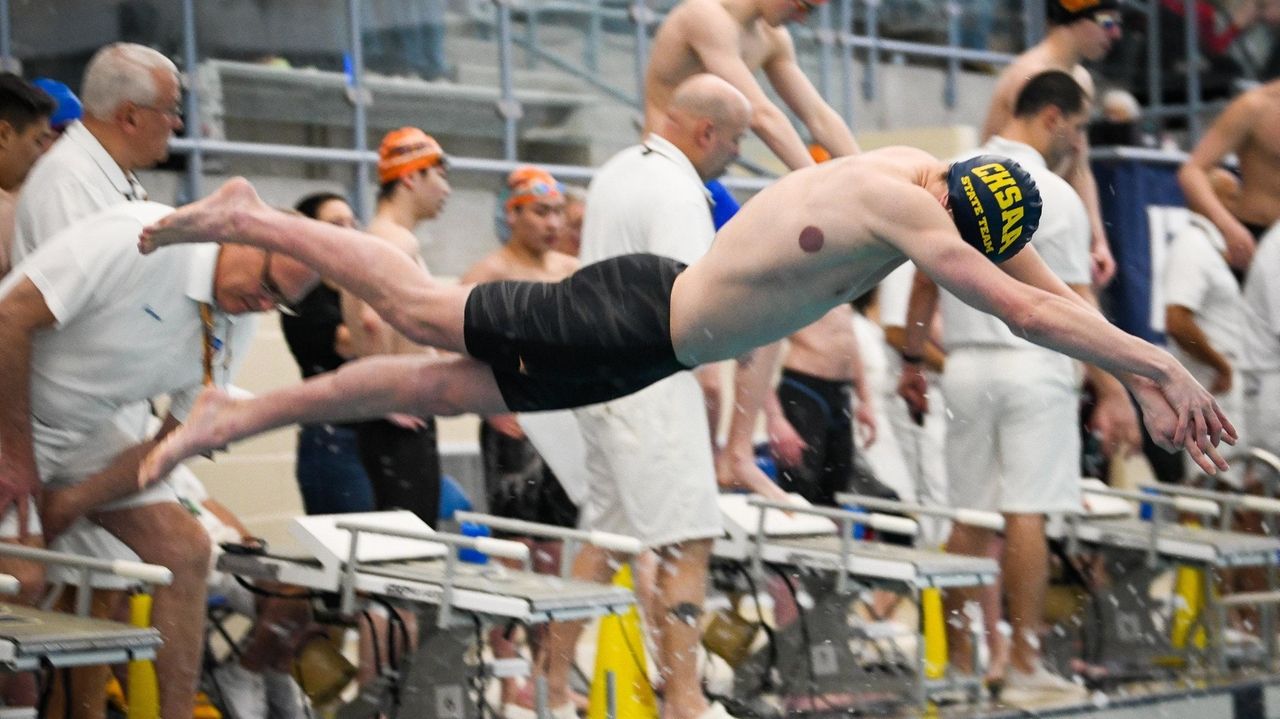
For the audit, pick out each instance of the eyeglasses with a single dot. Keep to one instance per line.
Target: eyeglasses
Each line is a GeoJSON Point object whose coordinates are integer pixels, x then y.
{"type": "Point", "coordinates": [269, 286]}
{"type": "Point", "coordinates": [174, 112]}
{"type": "Point", "coordinates": [1108, 20]}
{"type": "Point", "coordinates": [805, 6]}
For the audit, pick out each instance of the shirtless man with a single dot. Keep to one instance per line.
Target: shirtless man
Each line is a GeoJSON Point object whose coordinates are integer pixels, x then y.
{"type": "Point", "coordinates": [812, 240]}
{"type": "Point", "coordinates": [399, 452]}
{"type": "Point", "coordinates": [811, 413]}
{"type": "Point", "coordinates": [1080, 30]}
{"type": "Point", "coordinates": [733, 39]}
{"type": "Point", "coordinates": [518, 483]}
{"type": "Point", "coordinates": [1249, 128]}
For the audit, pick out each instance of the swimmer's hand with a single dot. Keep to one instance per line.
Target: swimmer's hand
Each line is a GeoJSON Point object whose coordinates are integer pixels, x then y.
{"type": "Point", "coordinates": [1181, 414]}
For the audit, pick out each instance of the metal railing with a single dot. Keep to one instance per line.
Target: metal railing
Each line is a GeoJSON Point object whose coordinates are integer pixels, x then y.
{"type": "Point", "coordinates": [831, 38]}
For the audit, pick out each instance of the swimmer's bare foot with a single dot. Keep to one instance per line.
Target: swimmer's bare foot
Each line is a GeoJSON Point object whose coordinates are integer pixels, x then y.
{"type": "Point", "coordinates": [209, 220]}
{"type": "Point", "coordinates": [206, 429]}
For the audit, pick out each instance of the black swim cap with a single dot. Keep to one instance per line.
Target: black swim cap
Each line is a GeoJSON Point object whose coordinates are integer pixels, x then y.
{"type": "Point", "coordinates": [1065, 12]}
{"type": "Point", "coordinates": [995, 203]}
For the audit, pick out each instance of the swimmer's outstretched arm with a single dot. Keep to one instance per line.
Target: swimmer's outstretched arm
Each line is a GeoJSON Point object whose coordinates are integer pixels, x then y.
{"type": "Point", "coordinates": [368, 388]}
{"type": "Point", "coordinates": [1180, 412]}
{"type": "Point", "coordinates": [398, 289]}
{"type": "Point", "coordinates": [1183, 414]}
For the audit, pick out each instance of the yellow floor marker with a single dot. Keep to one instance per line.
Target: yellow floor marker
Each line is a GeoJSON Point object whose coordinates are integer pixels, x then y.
{"type": "Point", "coordinates": [144, 695]}
{"type": "Point", "coordinates": [620, 649]}
{"type": "Point", "coordinates": [1189, 590]}
{"type": "Point", "coordinates": [935, 633]}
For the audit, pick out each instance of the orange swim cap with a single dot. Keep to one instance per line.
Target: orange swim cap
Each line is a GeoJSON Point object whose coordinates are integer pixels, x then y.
{"type": "Point", "coordinates": [527, 184]}
{"type": "Point", "coordinates": [406, 151]}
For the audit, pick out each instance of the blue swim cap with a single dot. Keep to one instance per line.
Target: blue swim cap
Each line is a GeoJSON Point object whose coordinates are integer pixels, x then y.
{"type": "Point", "coordinates": [995, 203]}
{"type": "Point", "coordinates": [67, 109]}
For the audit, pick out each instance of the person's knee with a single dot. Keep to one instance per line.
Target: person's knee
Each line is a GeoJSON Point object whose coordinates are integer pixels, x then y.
{"type": "Point", "coordinates": [175, 540]}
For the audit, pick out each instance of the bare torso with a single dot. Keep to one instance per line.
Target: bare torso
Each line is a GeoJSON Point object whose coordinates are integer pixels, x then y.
{"type": "Point", "coordinates": [673, 58]}
{"type": "Point", "coordinates": [813, 240]}
{"type": "Point", "coordinates": [508, 264]}
{"type": "Point", "coordinates": [1038, 59]}
{"type": "Point", "coordinates": [1259, 155]}
{"type": "Point", "coordinates": [825, 348]}
{"type": "Point", "coordinates": [357, 316]}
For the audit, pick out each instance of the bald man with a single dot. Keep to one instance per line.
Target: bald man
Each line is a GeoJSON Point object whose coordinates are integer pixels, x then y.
{"type": "Point", "coordinates": [733, 39]}
{"type": "Point", "coordinates": [649, 455]}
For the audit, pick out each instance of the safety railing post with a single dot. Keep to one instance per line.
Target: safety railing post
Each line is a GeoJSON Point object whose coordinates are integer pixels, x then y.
{"type": "Point", "coordinates": [191, 101]}
{"type": "Point", "coordinates": [360, 98]}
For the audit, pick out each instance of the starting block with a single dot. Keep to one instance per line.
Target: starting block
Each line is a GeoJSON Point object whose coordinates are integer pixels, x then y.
{"type": "Point", "coordinates": [1131, 631]}
{"type": "Point", "coordinates": [395, 555]}
{"type": "Point", "coordinates": [823, 653]}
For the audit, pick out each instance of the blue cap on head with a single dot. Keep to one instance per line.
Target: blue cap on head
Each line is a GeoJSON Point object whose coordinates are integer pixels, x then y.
{"type": "Point", "coordinates": [67, 109]}
{"type": "Point", "coordinates": [995, 204]}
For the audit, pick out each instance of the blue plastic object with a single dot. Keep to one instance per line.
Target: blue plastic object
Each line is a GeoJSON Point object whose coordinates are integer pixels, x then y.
{"type": "Point", "coordinates": [474, 556]}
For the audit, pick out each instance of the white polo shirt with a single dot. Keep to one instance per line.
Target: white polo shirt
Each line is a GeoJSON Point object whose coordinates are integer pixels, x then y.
{"type": "Point", "coordinates": [649, 454]}
{"type": "Point", "coordinates": [647, 198]}
{"type": "Point", "coordinates": [128, 325]}
{"type": "Point", "coordinates": [1063, 241]}
{"type": "Point", "coordinates": [74, 179]}
{"type": "Point", "coordinates": [1262, 297]}
{"type": "Point", "coordinates": [1196, 276]}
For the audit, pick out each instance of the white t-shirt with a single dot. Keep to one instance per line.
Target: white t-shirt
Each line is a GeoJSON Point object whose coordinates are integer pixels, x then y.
{"type": "Point", "coordinates": [1063, 240]}
{"type": "Point", "coordinates": [1262, 297]}
{"type": "Point", "coordinates": [1197, 277]}
{"type": "Point", "coordinates": [128, 326]}
{"type": "Point", "coordinates": [647, 198]}
{"type": "Point", "coordinates": [73, 180]}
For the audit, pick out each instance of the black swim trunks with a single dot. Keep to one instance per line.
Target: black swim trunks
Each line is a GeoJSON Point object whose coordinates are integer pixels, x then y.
{"type": "Point", "coordinates": [602, 333]}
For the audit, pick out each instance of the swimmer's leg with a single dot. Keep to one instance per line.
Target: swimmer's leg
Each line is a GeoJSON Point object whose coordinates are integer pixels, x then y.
{"type": "Point", "coordinates": [402, 292]}
{"type": "Point", "coordinates": [364, 389]}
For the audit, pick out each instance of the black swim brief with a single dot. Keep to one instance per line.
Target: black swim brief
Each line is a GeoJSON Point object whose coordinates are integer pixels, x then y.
{"type": "Point", "coordinates": [602, 333]}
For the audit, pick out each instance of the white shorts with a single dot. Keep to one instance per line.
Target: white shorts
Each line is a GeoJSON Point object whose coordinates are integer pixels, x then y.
{"type": "Point", "coordinates": [71, 464]}
{"type": "Point", "coordinates": [1013, 439]}
{"type": "Point", "coordinates": [1262, 409]}
{"type": "Point", "coordinates": [650, 463]}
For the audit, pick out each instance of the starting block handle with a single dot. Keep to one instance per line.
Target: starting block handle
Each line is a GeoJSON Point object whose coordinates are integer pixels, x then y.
{"type": "Point", "coordinates": [1179, 502]}
{"type": "Point", "coordinates": [502, 548]}
{"type": "Point", "coordinates": [1197, 505]}
{"type": "Point", "coordinates": [1265, 505]}
{"type": "Point", "coordinates": [891, 524]}
{"type": "Point", "coordinates": [150, 573]}
{"type": "Point", "coordinates": [618, 542]}
{"type": "Point", "coordinates": [979, 518]}
{"type": "Point", "coordinates": [605, 540]}
{"type": "Point", "coordinates": [972, 517]}
{"type": "Point", "coordinates": [146, 573]}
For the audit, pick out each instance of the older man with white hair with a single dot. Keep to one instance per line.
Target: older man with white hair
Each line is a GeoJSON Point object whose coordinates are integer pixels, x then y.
{"type": "Point", "coordinates": [131, 95]}
{"type": "Point", "coordinates": [132, 102]}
